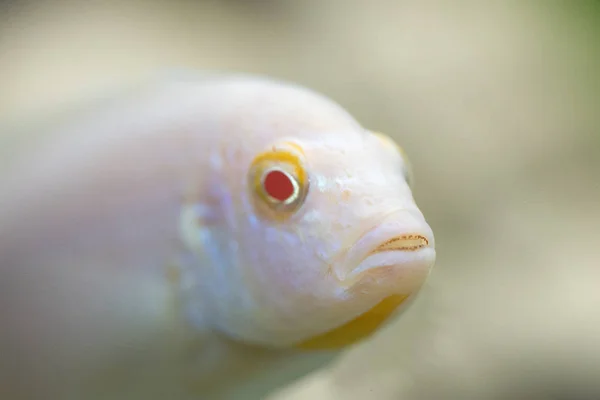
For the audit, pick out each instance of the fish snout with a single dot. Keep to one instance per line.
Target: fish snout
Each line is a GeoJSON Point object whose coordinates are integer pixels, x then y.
{"type": "Point", "coordinates": [397, 253]}
{"type": "Point", "coordinates": [386, 265]}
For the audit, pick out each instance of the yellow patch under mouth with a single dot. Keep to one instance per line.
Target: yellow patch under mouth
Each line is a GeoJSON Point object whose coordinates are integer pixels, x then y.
{"type": "Point", "coordinates": [357, 329]}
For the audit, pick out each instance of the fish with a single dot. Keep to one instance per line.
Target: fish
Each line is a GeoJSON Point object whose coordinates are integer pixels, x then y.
{"type": "Point", "coordinates": [187, 236]}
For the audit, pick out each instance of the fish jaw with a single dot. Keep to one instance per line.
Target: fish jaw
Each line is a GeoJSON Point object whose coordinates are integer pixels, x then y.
{"type": "Point", "coordinates": [357, 329]}
{"type": "Point", "coordinates": [395, 267]}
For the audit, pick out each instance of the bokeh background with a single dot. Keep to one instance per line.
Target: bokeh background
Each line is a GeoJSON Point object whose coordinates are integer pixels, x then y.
{"type": "Point", "coordinates": [496, 102]}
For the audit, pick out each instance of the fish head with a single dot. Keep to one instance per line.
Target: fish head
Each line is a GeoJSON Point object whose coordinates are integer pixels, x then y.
{"type": "Point", "coordinates": [322, 240]}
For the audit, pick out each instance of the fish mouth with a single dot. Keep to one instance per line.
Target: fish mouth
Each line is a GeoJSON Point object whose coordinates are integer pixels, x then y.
{"type": "Point", "coordinates": [385, 267]}
{"type": "Point", "coordinates": [399, 247]}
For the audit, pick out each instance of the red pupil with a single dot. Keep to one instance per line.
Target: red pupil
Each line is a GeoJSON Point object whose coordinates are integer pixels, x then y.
{"type": "Point", "coordinates": [278, 185]}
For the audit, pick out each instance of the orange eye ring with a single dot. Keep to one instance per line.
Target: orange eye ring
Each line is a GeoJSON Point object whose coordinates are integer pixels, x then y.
{"type": "Point", "coordinates": [278, 182]}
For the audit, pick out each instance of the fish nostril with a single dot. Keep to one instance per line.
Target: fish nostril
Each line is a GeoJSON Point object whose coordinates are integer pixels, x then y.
{"type": "Point", "coordinates": [409, 242]}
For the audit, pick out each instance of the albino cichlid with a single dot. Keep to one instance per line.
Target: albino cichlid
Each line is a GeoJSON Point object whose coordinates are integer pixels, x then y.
{"type": "Point", "coordinates": [175, 241]}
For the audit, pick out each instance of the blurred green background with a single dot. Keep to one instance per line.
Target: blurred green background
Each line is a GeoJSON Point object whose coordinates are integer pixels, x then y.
{"type": "Point", "coordinates": [496, 102]}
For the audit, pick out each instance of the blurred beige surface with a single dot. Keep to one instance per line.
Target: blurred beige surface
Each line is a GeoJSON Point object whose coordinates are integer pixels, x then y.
{"type": "Point", "coordinates": [497, 103]}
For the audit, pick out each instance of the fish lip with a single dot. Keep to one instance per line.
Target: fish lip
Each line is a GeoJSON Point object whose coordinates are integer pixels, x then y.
{"type": "Point", "coordinates": [351, 260]}
{"type": "Point", "coordinates": [375, 264]}
{"type": "Point", "coordinates": [404, 242]}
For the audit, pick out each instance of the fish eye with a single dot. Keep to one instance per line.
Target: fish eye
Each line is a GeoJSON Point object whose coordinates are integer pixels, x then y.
{"type": "Point", "coordinates": [279, 186]}
{"type": "Point", "coordinates": [278, 181]}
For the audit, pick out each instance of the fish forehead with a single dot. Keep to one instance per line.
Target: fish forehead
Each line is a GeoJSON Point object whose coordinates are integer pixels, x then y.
{"type": "Point", "coordinates": [351, 168]}
{"type": "Point", "coordinates": [282, 111]}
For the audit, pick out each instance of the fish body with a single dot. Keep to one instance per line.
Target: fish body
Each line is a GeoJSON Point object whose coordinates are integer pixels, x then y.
{"type": "Point", "coordinates": [170, 243]}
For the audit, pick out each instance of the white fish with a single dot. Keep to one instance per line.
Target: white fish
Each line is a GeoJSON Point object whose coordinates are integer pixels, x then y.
{"type": "Point", "coordinates": [168, 242]}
